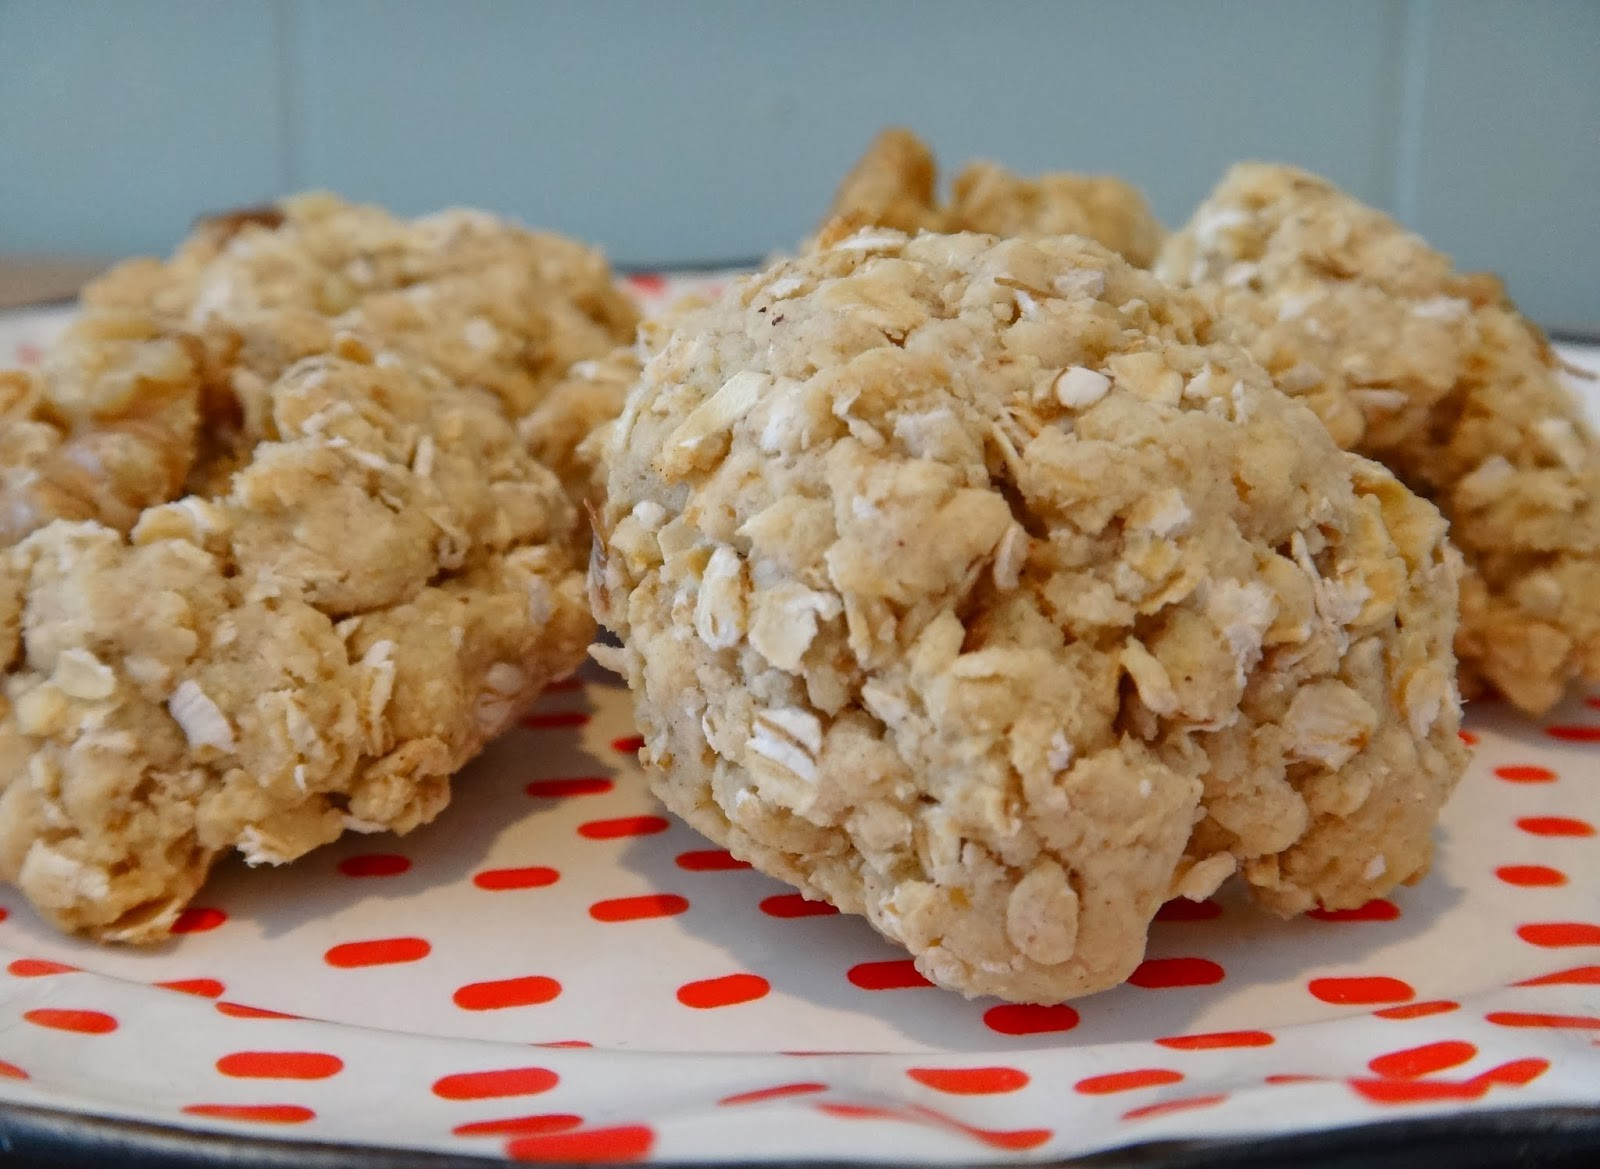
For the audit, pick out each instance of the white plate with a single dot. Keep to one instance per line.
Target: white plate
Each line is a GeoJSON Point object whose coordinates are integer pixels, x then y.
{"type": "Point", "coordinates": [553, 969]}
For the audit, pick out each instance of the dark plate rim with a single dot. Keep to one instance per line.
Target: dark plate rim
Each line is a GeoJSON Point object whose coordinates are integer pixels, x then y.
{"type": "Point", "coordinates": [1550, 1136]}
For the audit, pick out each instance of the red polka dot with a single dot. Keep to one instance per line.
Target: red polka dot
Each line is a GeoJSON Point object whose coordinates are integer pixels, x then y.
{"type": "Point", "coordinates": [1018, 1140]}
{"type": "Point", "coordinates": [1574, 734]}
{"type": "Point", "coordinates": [532, 877]}
{"type": "Point", "coordinates": [623, 826]}
{"type": "Point", "coordinates": [83, 1022]}
{"type": "Point", "coordinates": [555, 789]}
{"type": "Point", "coordinates": [1165, 973]}
{"type": "Point", "coordinates": [638, 908]}
{"type": "Point", "coordinates": [895, 974]}
{"type": "Point", "coordinates": [1530, 1019]}
{"type": "Point", "coordinates": [1592, 703]}
{"type": "Point", "coordinates": [11, 1071]}
{"type": "Point", "coordinates": [1167, 1107]}
{"type": "Point", "coordinates": [795, 905]}
{"type": "Point", "coordinates": [1030, 1019]}
{"type": "Point", "coordinates": [566, 1043]}
{"type": "Point", "coordinates": [38, 967]}
{"type": "Point", "coordinates": [648, 282]}
{"type": "Point", "coordinates": [377, 952]}
{"type": "Point", "coordinates": [374, 864]}
{"type": "Point", "coordinates": [1577, 976]}
{"type": "Point", "coordinates": [280, 1065]}
{"type": "Point", "coordinates": [240, 1011]}
{"type": "Point", "coordinates": [1127, 1081]}
{"type": "Point", "coordinates": [520, 1126]}
{"type": "Point", "coordinates": [1525, 773]}
{"type": "Point", "coordinates": [1418, 1010]}
{"type": "Point", "coordinates": [727, 991]}
{"type": "Point", "coordinates": [1182, 909]}
{"type": "Point", "coordinates": [1377, 910]}
{"type": "Point", "coordinates": [1424, 1060]}
{"type": "Point", "coordinates": [496, 1084]}
{"type": "Point", "coordinates": [1555, 826]}
{"type": "Point", "coordinates": [198, 919]}
{"type": "Point", "coordinates": [710, 860]}
{"type": "Point", "coordinates": [628, 744]}
{"type": "Point", "coordinates": [206, 988]}
{"type": "Point", "coordinates": [1555, 934]}
{"type": "Point", "coordinates": [971, 1081]}
{"type": "Point", "coordinates": [1217, 1039]}
{"type": "Point", "coordinates": [556, 720]}
{"type": "Point", "coordinates": [256, 1113]}
{"type": "Point", "coordinates": [858, 1111]}
{"type": "Point", "coordinates": [1291, 1078]}
{"type": "Point", "coordinates": [780, 1092]}
{"type": "Point", "coordinates": [1416, 1091]}
{"type": "Point", "coordinates": [1360, 992]}
{"type": "Point", "coordinates": [1515, 1074]}
{"type": "Point", "coordinates": [1531, 876]}
{"type": "Point", "coordinates": [631, 1142]}
{"type": "Point", "coordinates": [506, 992]}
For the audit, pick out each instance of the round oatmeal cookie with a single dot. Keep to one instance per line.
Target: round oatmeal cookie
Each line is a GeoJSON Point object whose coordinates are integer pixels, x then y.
{"type": "Point", "coordinates": [354, 577]}
{"type": "Point", "coordinates": [969, 585]}
{"type": "Point", "coordinates": [488, 302]}
{"type": "Point", "coordinates": [1462, 399]}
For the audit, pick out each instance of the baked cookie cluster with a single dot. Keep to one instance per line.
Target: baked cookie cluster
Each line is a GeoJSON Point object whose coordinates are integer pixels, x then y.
{"type": "Point", "coordinates": [969, 585]}
{"type": "Point", "coordinates": [895, 184]}
{"type": "Point", "coordinates": [1451, 388]}
{"type": "Point", "coordinates": [282, 545]}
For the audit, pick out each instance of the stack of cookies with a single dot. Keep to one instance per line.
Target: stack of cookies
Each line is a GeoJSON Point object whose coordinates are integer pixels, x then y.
{"type": "Point", "coordinates": [997, 568]}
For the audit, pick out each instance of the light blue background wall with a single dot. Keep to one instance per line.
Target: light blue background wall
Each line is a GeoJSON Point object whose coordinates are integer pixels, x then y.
{"type": "Point", "coordinates": [714, 130]}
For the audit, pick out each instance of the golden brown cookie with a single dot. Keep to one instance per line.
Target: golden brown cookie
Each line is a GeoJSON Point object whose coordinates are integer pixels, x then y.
{"type": "Point", "coordinates": [251, 601]}
{"type": "Point", "coordinates": [895, 185]}
{"type": "Point", "coordinates": [965, 585]}
{"type": "Point", "coordinates": [1461, 397]}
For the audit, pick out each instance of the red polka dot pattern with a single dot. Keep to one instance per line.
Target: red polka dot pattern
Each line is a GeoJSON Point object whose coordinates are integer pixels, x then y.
{"type": "Point", "coordinates": [253, 1113]}
{"type": "Point", "coordinates": [1127, 1081]}
{"type": "Point", "coordinates": [377, 952]}
{"type": "Point", "coordinates": [638, 908]}
{"type": "Point", "coordinates": [520, 1126]}
{"type": "Point", "coordinates": [198, 919]}
{"type": "Point", "coordinates": [498, 994]}
{"type": "Point", "coordinates": [555, 968]}
{"type": "Point", "coordinates": [374, 864]}
{"type": "Point", "coordinates": [280, 1065]}
{"type": "Point", "coordinates": [727, 991]}
{"type": "Point", "coordinates": [72, 1019]}
{"type": "Point", "coordinates": [1164, 973]}
{"type": "Point", "coordinates": [497, 1084]}
{"type": "Point", "coordinates": [986, 1081]}
{"type": "Point", "coordinates": [609, 1146]}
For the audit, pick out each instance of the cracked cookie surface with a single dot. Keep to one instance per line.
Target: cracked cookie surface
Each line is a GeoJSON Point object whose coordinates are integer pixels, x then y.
{"type": "Point", "coordinates": [347, 576]}
{"type": "Point", "coordinates": [971, 586]}
{"type": "Point", "coordinates": [1460, 395]}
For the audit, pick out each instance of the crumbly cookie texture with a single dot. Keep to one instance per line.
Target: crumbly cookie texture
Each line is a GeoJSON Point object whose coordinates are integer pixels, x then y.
{"type": "Point", "coordinates": [895, 185]}
{"type": "Point", "coordinates": [333, 587]}
{"type": "Point", "coordinates": [491, 304]}
{"type": "Point", "coordinates": [962, 584]}
{"type": "Point", "coordinates": [1462, 398]}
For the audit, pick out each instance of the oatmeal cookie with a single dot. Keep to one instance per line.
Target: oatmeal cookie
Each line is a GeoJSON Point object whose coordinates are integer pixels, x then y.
{"type": "Point", "coordinates": [961, 583]}
{"type": "Point", "coordinates": [306, 605]}
{"type": "Point", "coordinates": [488, 302]}
{"type": "Point", "coordinates": [894, 185]}
{"type": "Point", "coordinates": [1462, 398]}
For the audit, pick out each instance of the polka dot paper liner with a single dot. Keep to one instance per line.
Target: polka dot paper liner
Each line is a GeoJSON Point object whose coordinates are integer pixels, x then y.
{"type": "Point", "coordinates": [557, 970]}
